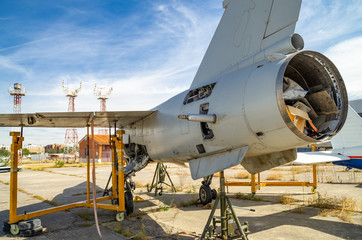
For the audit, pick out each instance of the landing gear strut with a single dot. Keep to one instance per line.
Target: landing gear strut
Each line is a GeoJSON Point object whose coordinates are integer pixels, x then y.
{"type": "Point", "coordinates": [206, 194]}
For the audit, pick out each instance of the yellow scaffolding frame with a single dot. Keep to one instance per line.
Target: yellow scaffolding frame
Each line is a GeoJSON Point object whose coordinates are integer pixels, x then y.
{"type": "Point", "coordinates": [257, 185]}
{"type": "Point", "coordinates": [117, 150]}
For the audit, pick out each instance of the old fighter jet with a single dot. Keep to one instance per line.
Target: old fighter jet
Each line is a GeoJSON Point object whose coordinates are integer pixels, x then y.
{"type": "Point", "coordinates": [255, 98]}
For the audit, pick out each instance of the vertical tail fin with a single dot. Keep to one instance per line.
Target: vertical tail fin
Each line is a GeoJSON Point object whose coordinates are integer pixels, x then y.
{"type": "Point", "coordinates": [246, 28]}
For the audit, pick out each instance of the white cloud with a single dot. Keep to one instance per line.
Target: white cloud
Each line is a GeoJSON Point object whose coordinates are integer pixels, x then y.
{"type": "Point", "coordinates": [323, 23]}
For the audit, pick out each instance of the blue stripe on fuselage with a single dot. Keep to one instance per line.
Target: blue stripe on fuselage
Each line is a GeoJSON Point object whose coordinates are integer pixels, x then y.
{"type": "Point", "coordinates": [352, 163]}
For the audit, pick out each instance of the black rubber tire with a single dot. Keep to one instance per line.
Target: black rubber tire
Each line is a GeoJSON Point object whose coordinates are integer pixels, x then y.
{"type": "Point", "coordinates": [214, 194]}
{"type": "Point", "coordinates": [205, 194]}
{"type": "Point", "coordinates": [29, 224]}
{"type": "Point", "coordinates": [31, 232]}
{"type": "Point", "coordinates": [128, 199]}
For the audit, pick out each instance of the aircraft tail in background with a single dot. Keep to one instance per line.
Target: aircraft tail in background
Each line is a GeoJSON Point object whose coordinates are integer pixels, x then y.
{"type": "Point", "coordinates": [350, 135]}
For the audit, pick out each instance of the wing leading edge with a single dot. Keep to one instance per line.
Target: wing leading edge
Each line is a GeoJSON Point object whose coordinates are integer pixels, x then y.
{"type": "Point", "coordinates": [73, 119]}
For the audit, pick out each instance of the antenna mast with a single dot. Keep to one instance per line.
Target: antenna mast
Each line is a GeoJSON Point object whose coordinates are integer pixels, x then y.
{"type": "Point", "coordinates": [71, 134]}
{"type": "Point", "coordinates": [103, 94]}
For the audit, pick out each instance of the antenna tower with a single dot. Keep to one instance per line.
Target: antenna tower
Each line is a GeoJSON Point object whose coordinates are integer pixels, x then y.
{"type": "Point", "coordinates": [103, 94]}
{"type": "Point", "coordinates": [17, 91]}
{"type": "Point", "coordinates": [71, 134]}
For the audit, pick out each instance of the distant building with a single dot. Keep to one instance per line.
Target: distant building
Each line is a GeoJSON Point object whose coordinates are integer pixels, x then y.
{"type": "Point", "coordinates": [5, 147]}
{"type": "Point", "coordinates": [52, 147]}
{"type": "Point", "coordinates": [103, 152]}
{"type": "Point", "coordinates": [34, 148]}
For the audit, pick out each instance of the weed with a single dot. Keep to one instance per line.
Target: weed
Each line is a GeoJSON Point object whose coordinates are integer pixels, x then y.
{"type": "Point", "coordinates": [84, 213]}
{"type": "Point", "coordinates": [125, 232]}
{"type": "Point", "coordinates": [336, 206]}
{"type": "Point", "coordinates": [242, 175]}
{"type": "Point", "coordinates": [274, 176]}
{"type": "Point", "coordinates": [58, 164]}
{"type": "Point", "coordinates": [248, 197]}
{"type": "Point", "coordinates": [192, 190]}
{"type": "Point", "coordinates": [287, 200]}
{"type": "Point", "coordinates": [3, 182]}
{"type": "Point", "coordinates": [140, 185]}
{"type": "Point", "coordinates": [6, 161]}
{"type": "Point", "coordinates": [141, 235]}
{"type": "Point", "coordinates": [298, 209]}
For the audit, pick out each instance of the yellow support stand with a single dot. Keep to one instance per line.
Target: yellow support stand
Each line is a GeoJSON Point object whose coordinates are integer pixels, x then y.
{"type": "Point", "coordinates": [119, 197]}
{"type": "Point", "coordinates": [16, 144]}
{"type": "Point", "coordinates": [256, 186]}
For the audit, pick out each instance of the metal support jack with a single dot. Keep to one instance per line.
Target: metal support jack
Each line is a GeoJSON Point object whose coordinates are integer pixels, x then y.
{"type": "Point", "coordinates": [227, 221]}
{"type": "Point", "coordinates": [159, 179]}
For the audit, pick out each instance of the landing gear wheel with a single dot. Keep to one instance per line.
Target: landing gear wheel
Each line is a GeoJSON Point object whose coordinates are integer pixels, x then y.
{"type": "Point", "coordinates": [205, 194]}
{"type": "Point", "coordinates": [128, 199]}
{"type": "Point", "coordinates": [14, 229]}
{"type": "Point", "coordinates": [214, 194]}
{"type": "Point", "coordinates": [120, 216]}
{"type": "Point", "coordinates": [313, 190]}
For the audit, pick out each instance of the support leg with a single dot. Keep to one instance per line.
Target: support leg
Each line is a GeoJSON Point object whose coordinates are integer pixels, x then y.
{"type": "Point", "coordinates": [226, 230]}
{"type": "Point", "coordinates": [15, 146]}
{"type": "Point", "coordinates": [88, 168]}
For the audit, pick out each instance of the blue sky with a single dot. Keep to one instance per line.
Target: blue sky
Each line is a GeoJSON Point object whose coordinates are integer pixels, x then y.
{"type": "Point", "coordinates": [147, 51]}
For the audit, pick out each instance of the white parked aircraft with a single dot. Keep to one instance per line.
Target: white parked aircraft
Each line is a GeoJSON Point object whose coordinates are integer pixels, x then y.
{"type": "Point", "coordinates": [255, 98]}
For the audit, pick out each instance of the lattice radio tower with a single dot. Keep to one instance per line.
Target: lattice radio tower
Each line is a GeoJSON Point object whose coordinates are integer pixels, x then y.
{"type": "Point", "coordinates": [103, 94]}
{"type": "Point", "coordinates": [17, 91]}
{"type": "Point", "coordinates": [71, 134]}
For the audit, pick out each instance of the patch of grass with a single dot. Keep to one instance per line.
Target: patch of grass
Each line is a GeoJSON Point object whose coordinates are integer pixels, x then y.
{"type": "Point", "coordinates": [287, 200]}
{"type": "Point", "coordinates": [6, 161]}
{"type": "Point", "coordinates": [37, 167]}
{"type": "Point", "coordinates": [341, 207]}
{"type": "Point", "coordinates": [58, 164]}
{"type": "Point", "coordinates": [248, 197]}
{"type": "Point", "coordinates": [141, 235]}
{"type": "Point", "coordinates": [140, 185]}
{"type": "Point", "coordinates": [274, 176]}
{"type": "Point", "coordinates": [242, 175]}
{"type": "Point", "coordinates": [298, 209]}
{"type": "Point", "coordinates": [192, 190]}
{"type": "Point", "coordinates": [3, 182]}
{"type": "Point", "coordinates": [125, 232]}
{"type": "Point", "coordinates": [83, 213]}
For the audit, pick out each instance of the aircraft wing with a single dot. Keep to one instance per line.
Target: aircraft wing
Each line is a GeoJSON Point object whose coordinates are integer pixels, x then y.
{"type": "Point", "coordinates": [319, 157]}
{"type": "Point", "coordinates": [252, 26]}
{"type": "Point", "coordinates": [73, 119]}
